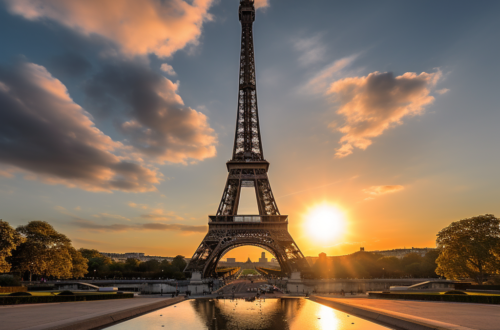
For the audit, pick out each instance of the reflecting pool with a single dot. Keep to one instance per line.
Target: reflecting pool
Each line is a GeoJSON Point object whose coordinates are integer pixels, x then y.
{"type": "Point", "coordinates": [271, 314]}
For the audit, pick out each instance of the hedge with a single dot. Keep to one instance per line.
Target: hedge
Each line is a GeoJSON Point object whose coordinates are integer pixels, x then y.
{"type": "Point", "coordinates": [440, 297]}
{"type": "Point", "coordinates": [9, 289]}
{"type": "Point", "coordinates": [51, 299]}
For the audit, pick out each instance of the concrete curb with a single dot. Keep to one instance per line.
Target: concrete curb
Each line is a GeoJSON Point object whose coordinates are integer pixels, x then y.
{"type": "Point", "coordinates": [108, 319]}
{"type": "Point", "coordinates": [400, 320]}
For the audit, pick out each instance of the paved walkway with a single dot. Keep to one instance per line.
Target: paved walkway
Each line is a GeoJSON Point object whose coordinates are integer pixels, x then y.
{"type": "Point", "coordinates": [49, 316]}
{"type": "Point", "coordinates": [474, 316]}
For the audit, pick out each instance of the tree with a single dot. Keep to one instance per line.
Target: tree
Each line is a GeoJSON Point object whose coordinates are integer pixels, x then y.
{"type": "Point", "coordinates": [179, 263]}
{"type": "Point", "coordinates": [96, 260]}
{"type": "Point", "coordinates": [45, 251]}
{"type": "Point", "coordinates": [10, 239]}
{"type": "Point", "coordinates": [468, 248]}
{"type": "Point", "coordinates": [132, 263]}
{"type": "Point", "coordinates": [79, 264]}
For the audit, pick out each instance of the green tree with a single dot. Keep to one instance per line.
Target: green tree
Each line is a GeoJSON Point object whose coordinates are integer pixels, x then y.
{"type": "Point", "coordinates": [44, 251]}
{"type": "Point", "coordinates": [79, 264]}
{"type": "Point", "coordinates": [10, 239]}
{"type": "Point", "coordinates": [468, 248]}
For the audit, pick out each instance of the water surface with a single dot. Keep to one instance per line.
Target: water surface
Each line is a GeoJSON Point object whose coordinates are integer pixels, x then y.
{"type": "Point", "coordinates": [268, 314]}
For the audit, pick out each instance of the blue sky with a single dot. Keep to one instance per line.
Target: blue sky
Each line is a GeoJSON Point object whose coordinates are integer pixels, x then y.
{"type": "Point", "coordinates": [420, 154]}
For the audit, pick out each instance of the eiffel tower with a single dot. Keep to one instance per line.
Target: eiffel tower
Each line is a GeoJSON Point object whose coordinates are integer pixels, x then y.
{"type": "Point", "coordinates": [247, 168]}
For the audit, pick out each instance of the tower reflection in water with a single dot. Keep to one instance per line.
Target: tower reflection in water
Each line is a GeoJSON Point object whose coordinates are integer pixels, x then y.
{"type": "Point", "coordinates": [268, 314]}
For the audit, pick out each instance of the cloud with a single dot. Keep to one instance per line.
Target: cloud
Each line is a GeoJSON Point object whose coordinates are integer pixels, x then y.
{"type": "Point", "coordinates": [443, 91]}
{"type": "Point", "coordinates": [261, 4]}
{"type": "Point", "coordinates": [142, 206]}
{"type": "Point", "coordinates": [110, 216]}
{"type": "Point", "coordinates": [161, 215]}
{"type": "Point", "coordinates": [168, 69]}
{"type": "Point", "coordinates": [381, 190]}
{"type": "Point", "coordinates": [323, 79]}
{"type": "Point", "coordinates": [374, 103]}
{"type": "Point", "coordinates": [157, 123]}
{"type": "Point", "coordinates": [92, 226]}
{"type": "Point", "coordinates": [69, 65]}
{"type": "Point", "coordinates": [136, 27]}
{"type": "Point", "coordinates": [45, 134]}
{"type": "Point", "coordinates": [312, 49]}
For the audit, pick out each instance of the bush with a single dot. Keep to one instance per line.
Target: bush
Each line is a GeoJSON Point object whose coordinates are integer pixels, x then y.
{"type": "Point", "coordinates": [9, 280]}
{"type": "Point", "coordinates": [20, 294]}
{"type": "Point", "coordinates": [66, 293]}
{"type": "Point", "coordinates": [455, 292]}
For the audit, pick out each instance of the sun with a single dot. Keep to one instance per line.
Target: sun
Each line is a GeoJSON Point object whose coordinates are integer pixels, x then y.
{"type": "Point", "coordinates": [325, 222]}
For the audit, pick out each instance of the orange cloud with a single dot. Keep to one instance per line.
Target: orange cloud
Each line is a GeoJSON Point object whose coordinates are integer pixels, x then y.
{"type": "Point", "coordinates": [381, 190]}
{"type": "Point", "coordinates": [50, 137]}
{"type": "Point", "coordinates": [137, 27]}
{"type": "Point", "coordinates": [377, 102]}
{"type": "Point", "coordinates": [92, 226]}
{"type": "Point", "coordinates": [261, 4]}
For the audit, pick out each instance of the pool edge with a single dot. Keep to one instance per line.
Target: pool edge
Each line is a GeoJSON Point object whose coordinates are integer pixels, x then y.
{"type": "Point", "coordinates": [388, 318]}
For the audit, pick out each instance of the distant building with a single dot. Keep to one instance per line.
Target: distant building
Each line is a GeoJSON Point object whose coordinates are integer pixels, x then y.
{"type": "Point", "coordinates": [120, 257]}
{"type": "Point", "coordinates": [230, 259]}
{"type": "Point", "coordinates": [273, 260]}
{"type": "Point", "coordinates": [263, 258]}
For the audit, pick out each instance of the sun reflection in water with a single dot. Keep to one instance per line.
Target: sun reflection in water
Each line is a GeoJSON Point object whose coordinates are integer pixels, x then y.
{"type": "Point", "coordinates": [327, 319]}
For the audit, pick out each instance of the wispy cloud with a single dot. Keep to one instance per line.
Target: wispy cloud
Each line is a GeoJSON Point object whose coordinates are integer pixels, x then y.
{"type": "Point", "coordinates": [110, 216]}
{"type": "Point", "coordinates": [135, 205]}
{"type": "Point", "coordinates": [92, 226]}
{"type": "Point", "coordinates": [324, 78]}
{"type": "Point", "coordinates": [161, 215]}
{"type": "Point", "coordinates": [312, 49]}
{"type": "Point", "coordinates": [382, 190]}
{"type": "Point", "coordinates": [443, 91]}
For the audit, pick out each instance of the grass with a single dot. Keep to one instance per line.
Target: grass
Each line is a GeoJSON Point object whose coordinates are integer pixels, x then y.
{"type": "Point", "coordinates": [249, 271]}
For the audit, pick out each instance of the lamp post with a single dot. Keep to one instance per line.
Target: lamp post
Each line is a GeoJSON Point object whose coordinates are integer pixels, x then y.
{"type": "Point", "coordinates": [383, 272]}
{"type": "Point", "coordinates": [94, 273]}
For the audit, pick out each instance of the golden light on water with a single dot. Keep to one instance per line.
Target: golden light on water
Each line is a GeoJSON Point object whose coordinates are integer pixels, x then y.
{"type": "Point", "coordinates": [325, 222]}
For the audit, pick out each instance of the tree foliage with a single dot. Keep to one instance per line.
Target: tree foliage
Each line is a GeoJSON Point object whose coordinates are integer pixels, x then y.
{"type": "Point", "coordinates": [47, 252]}
{"type": "Point", "coordinates": [78, 263]}
{"type": "Point", "coordinates": [134, 268]}
{"type": "Point", "coordinates": [470, 248]}
{"type": "Point", "coordinates": [96, 260]}
{"type": "Point", "coordinates": [373, 265]}
{"type": "Point", "coordinates": [10, 239]}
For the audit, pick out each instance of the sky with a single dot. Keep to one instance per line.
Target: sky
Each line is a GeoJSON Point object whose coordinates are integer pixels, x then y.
{"type": "Point", "coordinates": [117, 118]}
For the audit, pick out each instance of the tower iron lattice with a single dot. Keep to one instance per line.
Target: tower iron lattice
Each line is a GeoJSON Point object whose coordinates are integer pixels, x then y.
{"type": "Point", "coordinates": [247, 168]}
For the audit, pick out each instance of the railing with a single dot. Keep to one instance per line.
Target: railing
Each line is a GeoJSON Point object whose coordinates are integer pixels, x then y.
{"type": "Point", "coordinates": [248, 218]}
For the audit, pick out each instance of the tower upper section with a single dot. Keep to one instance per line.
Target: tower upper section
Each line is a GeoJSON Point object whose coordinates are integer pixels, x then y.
{"type": "Point", "coordinates": [247, 140]}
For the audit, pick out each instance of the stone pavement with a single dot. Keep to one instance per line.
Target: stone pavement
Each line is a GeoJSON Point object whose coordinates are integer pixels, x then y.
{"type": "Point", "coordinates": [67, 314]}
{"type": "Point", "coordinates": [474, 316]}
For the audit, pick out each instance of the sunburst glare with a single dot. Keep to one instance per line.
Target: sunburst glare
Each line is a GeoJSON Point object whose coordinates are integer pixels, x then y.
{"type": "Point", "coordinates": [325, 222]}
